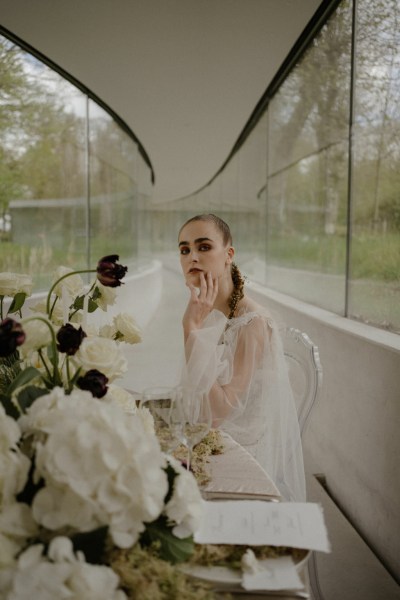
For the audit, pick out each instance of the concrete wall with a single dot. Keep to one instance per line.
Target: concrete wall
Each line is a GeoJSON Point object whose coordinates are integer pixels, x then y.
{"type": "Point", "coordinates": [353, 436]}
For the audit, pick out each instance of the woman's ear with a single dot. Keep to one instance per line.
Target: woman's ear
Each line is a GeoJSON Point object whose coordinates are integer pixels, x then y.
{"type": "Point", "coordinates": [231, 254]}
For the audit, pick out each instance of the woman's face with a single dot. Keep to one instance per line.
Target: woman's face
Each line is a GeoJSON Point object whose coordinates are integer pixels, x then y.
{"type": "Point", "coordinates": [202, 249]}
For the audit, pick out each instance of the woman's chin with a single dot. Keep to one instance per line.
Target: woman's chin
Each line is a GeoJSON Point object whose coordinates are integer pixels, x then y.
{"type": "Point", "coordinates": [193, 279]}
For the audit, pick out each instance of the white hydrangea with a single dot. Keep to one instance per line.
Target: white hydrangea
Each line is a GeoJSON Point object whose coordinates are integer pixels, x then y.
{"type": "Point", "coordinates": [102, 354]}
{"type": "Point", "coordinates": [99, 467]}
{"type": "Point", "coordinates": [74, 283]}
{"type": "Point", "coordinates": [127, 329]}
{"type": "Point", "coordinates": [16, 526]}
{"type": "Point", "coordinates": [121, 397]}
{"type": "Point", "coordinates": [60, 575]}
{"type": "Point", "coordinates": [185, 507]}
{"type": "Point", "coordinates": [14, 466]}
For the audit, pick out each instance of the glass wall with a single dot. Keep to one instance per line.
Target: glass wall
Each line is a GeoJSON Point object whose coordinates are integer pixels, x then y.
{"type": "Point", "coordinates": [307, 171]}
{"type": "Point", "coordinates": [315, 211]}
{"type": "Point", "coordinates": [374, 290]}
{"type": "Point", "coordinates": [70, 177]}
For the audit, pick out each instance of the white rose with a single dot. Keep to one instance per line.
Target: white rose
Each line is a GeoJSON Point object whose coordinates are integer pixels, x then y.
{"type": "Point", "coordinates": [108, 331]}
{"type": "Point", "coordinates": [97, 465]}
{"type": "Point", "coordinates": [37, 335]}
{"type": "Point", "coordinates": [185, 507]}
{"type": "Point", "coordinates": [107, 297]}
{"type": "Point", "coordinates": [57, 316]}
{"type": "Point", "coordinates": [74, 283]}
{"type": "Point", "coordinates": [127, 329]}
{"type": "Point", "coordinates": [102, 354]}
{"type": "Point", "coordinates": [13, 283]}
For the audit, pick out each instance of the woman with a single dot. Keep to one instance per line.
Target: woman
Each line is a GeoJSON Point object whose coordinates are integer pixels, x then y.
{"type": "Point", "coordinates": [234, 352]}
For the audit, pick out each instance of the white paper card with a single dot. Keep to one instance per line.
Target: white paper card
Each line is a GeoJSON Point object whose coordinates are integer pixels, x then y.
{"type": "Point", "coordinates": [254, 522]}
{"type": "Point", "coordinates": [276, 574]}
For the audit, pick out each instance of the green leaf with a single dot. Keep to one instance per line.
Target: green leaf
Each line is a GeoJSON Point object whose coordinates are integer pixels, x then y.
{"type": "Point", "coordinates": [28, 395]}
{"type": "Point", "coordinates": [23, 378]}
{"type": "Point", "coordinates": [9, 407]}
{"type": "Point", "coordinates": [92, 544]}
{"type": "Point", "coordinates": [92, 306]}
{"type": "Point", "coordinates": [78, 302]}
{"type": "Point", "coordinates": [17, 303]}
{"type": "Point", "coordinates": [170, 548]}
{"type": "Point", "coordinates": [96, 293]}
{"type": "Point", "coordinates": [171, 475]}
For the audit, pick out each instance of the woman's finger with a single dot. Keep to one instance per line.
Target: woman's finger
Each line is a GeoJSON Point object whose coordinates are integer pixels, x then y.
{"type": "Point", "coordinates": [215, 290]}
{"type": "Point", "coordinates": [203, 287]}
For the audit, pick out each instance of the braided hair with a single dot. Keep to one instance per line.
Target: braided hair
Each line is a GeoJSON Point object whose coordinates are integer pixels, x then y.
{"type": "Point", "coordinates": [237, 294]}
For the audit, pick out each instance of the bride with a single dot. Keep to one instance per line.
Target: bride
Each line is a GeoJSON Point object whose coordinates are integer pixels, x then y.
{"type": "Point", "coordinates": [234, 352]}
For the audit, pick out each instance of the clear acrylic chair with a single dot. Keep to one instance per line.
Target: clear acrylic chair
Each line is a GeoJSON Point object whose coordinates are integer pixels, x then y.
{"type": "Point", "coordinates": [305, 371]}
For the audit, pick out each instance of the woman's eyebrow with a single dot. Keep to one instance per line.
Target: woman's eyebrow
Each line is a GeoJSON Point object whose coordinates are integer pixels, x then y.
{"type": "Point", "coordinates": [196, 241]}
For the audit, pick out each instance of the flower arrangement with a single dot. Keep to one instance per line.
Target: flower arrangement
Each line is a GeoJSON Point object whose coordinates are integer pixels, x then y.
{"type": "Point", "coordinates": [81, 481]}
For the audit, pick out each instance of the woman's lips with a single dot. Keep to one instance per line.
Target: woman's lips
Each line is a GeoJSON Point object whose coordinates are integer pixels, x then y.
{"type": "Point", "coordinates": [195, 270]}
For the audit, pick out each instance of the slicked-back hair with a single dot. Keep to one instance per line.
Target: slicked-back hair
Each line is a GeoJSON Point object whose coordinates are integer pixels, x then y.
{"type": "Point", "coordinates": [218, 222]}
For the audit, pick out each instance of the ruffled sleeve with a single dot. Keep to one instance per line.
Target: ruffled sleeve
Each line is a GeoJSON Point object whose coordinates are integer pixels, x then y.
{"type": "Point", "coordinates": [240, 364]}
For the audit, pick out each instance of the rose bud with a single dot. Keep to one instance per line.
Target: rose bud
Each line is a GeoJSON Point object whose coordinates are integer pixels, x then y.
{"type": "Point", "coordinates": [95, 382]}
{"type": "Point", "coordinates": [11, 336]}
{"type": "Point", "coordinates": [69, 339]}
{"type": "Point", "coordinates": [109, 273]}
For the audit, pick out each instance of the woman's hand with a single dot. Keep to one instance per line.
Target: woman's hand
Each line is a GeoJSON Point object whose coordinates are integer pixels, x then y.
{"type": "Point", "coordinates": [200, 305]}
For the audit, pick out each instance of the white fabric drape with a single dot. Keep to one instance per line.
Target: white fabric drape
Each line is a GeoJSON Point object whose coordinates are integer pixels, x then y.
{"type": "Point", "coordinates": [241, 365]}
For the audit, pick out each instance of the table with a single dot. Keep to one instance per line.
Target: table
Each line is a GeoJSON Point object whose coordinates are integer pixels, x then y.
{"type": "Point", "coordinates": [235, 474]}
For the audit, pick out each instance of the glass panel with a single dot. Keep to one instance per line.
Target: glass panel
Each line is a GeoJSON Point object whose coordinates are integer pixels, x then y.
{"type": "Point", "coordinates": [42, 168]}
{"type": "Point", "coordinates": [307, 171]}
{"type": "Point", "coordinates": [113, 189]}
{"type": "Point", "coordinates": [375, 256]}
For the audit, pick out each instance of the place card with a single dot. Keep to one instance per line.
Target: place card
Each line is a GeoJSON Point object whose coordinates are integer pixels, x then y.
{"type": "Point", "coordinates": [274, 574]}
{"type": "Point", "coordinates": [258, 523]}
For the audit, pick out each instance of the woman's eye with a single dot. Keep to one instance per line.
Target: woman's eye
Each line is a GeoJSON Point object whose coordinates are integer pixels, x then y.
{"type": "Point", "coordinates": [204, 247]}
{"type": "Point", "coordinates": [184, 250]}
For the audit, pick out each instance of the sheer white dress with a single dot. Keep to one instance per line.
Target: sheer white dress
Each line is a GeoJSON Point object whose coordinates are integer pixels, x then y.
{"type": "Point", "coordinates": [240, 363]}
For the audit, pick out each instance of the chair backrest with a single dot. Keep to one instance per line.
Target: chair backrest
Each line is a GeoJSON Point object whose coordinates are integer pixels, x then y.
{"type": "Point", "coordinates": [305, 371]}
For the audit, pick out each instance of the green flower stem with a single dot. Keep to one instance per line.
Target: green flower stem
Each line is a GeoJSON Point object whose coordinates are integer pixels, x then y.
{"type": "Point", "coordinates": [68, 375]}
{"type": "Point", "coordinates": [45, 364]}
{"type": "Point", "coordinates": [54, 360]}
{"type": "Point", "coordinates": [58, 281]}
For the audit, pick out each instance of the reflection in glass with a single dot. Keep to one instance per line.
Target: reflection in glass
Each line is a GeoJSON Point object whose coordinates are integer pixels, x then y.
{"type": "Point", "coordinates": [307, 171]}
{"type": "Point", "coordinates": [375, 263]}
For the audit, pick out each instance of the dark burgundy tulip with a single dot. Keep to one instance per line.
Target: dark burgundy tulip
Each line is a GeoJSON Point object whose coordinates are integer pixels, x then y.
{"type": "Point", "coordinates": [95, 382]}
{"type": "Point", "coordinates": [69, 339]}
{"type": "Point", "coordinates": [109, 273]}
{"type": "Point", "coordinates": [11, 336]}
